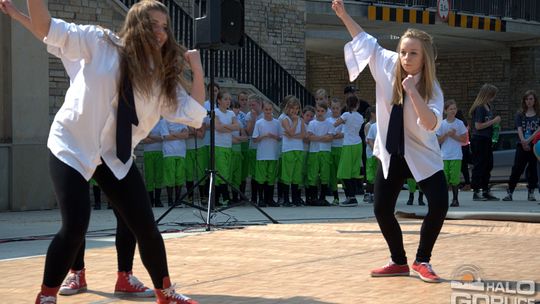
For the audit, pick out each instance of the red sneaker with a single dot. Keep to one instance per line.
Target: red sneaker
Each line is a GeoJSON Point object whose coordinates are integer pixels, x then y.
{"type": "Point", "coordinates": [425, 272]}
{"type": "Point", "coordinates": [47, 295]}
{"type": "Point", "coordinates": [127, 285]}
{"type": "Point", "coordinates": [391, 270]}
{"type": "Point", "coordinates": [167, 295]}
{"type": "Point", "coordinates": [74, 283]}
{"type": "Point", "coordinates": [42, 299]}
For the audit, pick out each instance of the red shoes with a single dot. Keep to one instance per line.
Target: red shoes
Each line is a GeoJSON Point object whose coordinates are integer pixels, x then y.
{"type": "Point", "coordinates": [127, 285]}
{"type": "Point", "coordinates": [425, 272]}
{"type": "Point", "coordinates": [168, 295]}
{"type": "Point", "coordinates": [74, 283]}
{"type": "Point", "coordinates": [391, 270]}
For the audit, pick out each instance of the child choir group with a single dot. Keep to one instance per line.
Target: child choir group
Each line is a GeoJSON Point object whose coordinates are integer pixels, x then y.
{"type": "Point", "coordinates": [314, 148]}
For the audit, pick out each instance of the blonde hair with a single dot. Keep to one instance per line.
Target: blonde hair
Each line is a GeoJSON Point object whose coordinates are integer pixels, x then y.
{"type": "Point", "coordinates": [486, 94]}
{"type": "Point", "coordinates": [292, 102]}
{"type": "Point", "coordinates": [428, 78]}
{"type": "Point", "coordinates": [321, 93]}
{"type": "Point", "coordinates": [142, 62]}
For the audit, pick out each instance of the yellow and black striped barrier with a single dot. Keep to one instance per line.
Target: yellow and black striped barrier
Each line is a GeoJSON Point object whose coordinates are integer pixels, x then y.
{"type": "Point", "coordinates": [485, 23]}
{"type": "Point", "coordinates": [400, 15]}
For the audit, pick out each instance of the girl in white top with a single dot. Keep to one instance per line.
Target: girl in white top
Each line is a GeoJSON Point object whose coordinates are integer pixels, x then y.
{"type": "Point", "coordinates": [337, 144]}
{"type": "Point", "coordinates": [451, 135]}
{"type": "Point", "coordinates": [266, 135]}
{"type": "Point", "coordinates": [174, 158]}
{"type": "Point", "coordinates": [350, 161]}
{"type": "Point", "coordinates": [407, 89]}
{"type": "Point", "coordinates": [292, 161]}
{"type": "Point", "coordinates": [83, 137]}
{"type": "Point", "coordinates": [226, 123]}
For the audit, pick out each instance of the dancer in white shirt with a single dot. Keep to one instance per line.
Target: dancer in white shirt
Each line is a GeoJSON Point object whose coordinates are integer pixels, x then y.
{"type": "Point", "coordinates": [120, 85]}
{"type": "Point", "coordinates": [409, 104]}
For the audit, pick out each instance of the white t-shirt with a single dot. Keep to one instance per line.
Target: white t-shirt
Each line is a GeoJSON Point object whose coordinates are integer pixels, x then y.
{"type": "Point", "coordinates": [320, 128]}
{"type": "Point", "coordinates": [83, 132]}
{"type": "Point", "coordinates": [372, 134]}
{"type": "Point", "coordinates": [156, 146]}
{"type": "Point", "coordinates": [451, 148]}
{"type": "Point", "coordinates": [253, 145]}
{"type": "Point", "coordinates": [422, 151]}
{"type": "Point", "coordinates": [337, 130]}
{"type": "Point", "coordinates": [351, 128]}
{"type": "Point", "coordinates": [267, 149]}
{"type": "Point", "coordinates": [292, 144]}
{"type": "Point", "coordinates": [175, 147]}
{"type": "Point", "coordinates": [224, 139]}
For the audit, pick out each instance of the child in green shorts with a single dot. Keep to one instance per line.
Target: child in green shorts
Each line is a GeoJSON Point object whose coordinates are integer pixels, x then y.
{"type": "Point", "coordinates": [372, 163]}
{"type": "Point", "coordinates": [351, 154]}
{"type": "Point", "coordinates": [153, 164]}
{"type": "Point", "coordinates": [237, 161]}
{"type": "Point", "coordinates": [255, 103]}
{"type": "Point", "coordinates": [226, 123]}
{"type": "Point", "coordinates": [174, 156]}
{"type": "Point", "coordinates": [320, 133]}
{"type": "Point", "coordinates": [337, 144]}
{"type": "Point", "coordinates": [266, 136]}
{"type": "Point", "coordinates": [292, 160]}
{"type": "Point", "coordinates": [451, 135]}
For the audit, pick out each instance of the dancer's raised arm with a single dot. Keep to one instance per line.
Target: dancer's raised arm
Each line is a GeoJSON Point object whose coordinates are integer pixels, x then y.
{"type": "Point", "coordinates": [352, 26]}
{"type": "Point", "coordinates": [39, 20]}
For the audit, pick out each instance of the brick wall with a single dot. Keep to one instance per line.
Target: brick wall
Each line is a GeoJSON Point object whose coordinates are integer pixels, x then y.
{"type": "Point", "coordinates": [461, 75]}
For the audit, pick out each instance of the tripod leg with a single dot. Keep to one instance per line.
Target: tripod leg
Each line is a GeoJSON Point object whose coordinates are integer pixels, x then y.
{"type": "Point", "coordinates": [254, 191]}
{"type": "Point", "coordinates": [157, 198]}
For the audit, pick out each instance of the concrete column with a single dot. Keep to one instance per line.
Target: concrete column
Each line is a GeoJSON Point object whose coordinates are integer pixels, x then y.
{"type": "Point", "coordinates": [29, 86]}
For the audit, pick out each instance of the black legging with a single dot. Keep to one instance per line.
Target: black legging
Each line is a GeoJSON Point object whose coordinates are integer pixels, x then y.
{"type": "Point", "coordinates": [130, 199]}
{"type": "Point", "coordinates": [482, 154]}
{"type": "Point", "coordinates": [125, 247]}
{"type": "Point", "coordinates": [386, 194]}
{"type": "Point", "coordinates": [523, 159]}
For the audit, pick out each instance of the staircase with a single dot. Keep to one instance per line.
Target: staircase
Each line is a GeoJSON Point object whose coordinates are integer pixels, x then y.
{"type": "Point", "coordinates": [249, 64]}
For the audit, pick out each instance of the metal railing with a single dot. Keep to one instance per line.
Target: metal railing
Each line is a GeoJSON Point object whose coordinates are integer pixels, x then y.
{"type": "Point", "coordinates": [528, 10]}
{"type": "Point", "coordinates": [249, 64]}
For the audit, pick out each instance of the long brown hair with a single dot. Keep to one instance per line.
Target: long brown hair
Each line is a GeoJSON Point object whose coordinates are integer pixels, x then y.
{"type": "Point", "coordinates": [524, 103]}
{"type": "Point", "coordinates": [486, 94]}
{"type": "Point", "coordinates": [142, 62]}
{"type": "Point", "coordinates": [428, 78]}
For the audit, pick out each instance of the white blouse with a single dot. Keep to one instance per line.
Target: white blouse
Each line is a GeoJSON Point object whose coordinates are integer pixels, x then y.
{"type": "Point", "coordinates": [84, 129]}
{"type": "Point", "coordinates": [422, 152]}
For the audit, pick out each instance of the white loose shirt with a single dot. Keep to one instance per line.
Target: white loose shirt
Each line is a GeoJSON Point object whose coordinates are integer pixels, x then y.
{"type": "Point", "coordinates": [451, 148]}
{"type": "Point", "coordinates": [84, 130]}
{"type": "Point", "coordinates": [224, 139]}
{"type": "Point", "coordinates": [422, 152]}
{"type": "Point", "coordinates": [320, 128]}
{"type": "Point", "coordinates": [338, 142]}
{"type": "Point", "coordinates": [253, 145]}
{"type": "Point", "coordinates": [267, 148]}
{"type": "Point", "coordinates": [175, 147]}
{"type": "Point", "coordinates": [289, 143]}
{"type": "Point", "coordinates": [371, 135]}
{"type": "Point", "coordinates": [352, 124]}
{"type": "Point", "coordinates": [155, 146]}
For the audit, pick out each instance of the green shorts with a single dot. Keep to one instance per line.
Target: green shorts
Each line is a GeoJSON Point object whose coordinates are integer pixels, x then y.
{"type": "Point", "coordinates": [411, 184]}
{"type": "Point", "coordinates": [350, 162]}
{"type": "Point", "coordinates": [236, 168]}
{"type": "Point", "coordinates": [153, 170]}
{"type": "Point", "coordinates": [372, 164]}
{"type": "Point", "coordinates": [174, 171]}
{"type": "Point", "coordinates": [292, 165]}
{"type": "Point", "coordinates": [192, 173]}
{"type": "Point", "coordinates": [223, 164]}
{"type": "Point", "coordinates": [203, 160]}
{"type": "Point", "coordinates": [336, 155]}
{"type": "Point", "coordinates": [318, 168]}
{"type": "Point", "coordinates": [452, 171]}
{"type": "Point", "coordinates": [265, 171]}
{"type": "Point", "coordinates": [251, 160]}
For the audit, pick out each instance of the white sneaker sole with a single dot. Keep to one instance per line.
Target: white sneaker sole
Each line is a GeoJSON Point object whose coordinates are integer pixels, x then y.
{"type": "Point", "coordinates": [70, 292]}
{"type": "Point", "coordinates": [400, 274]}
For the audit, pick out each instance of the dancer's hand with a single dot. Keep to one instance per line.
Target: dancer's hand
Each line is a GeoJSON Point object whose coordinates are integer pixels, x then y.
{"type": "Point", "coordinates": [193, 59]}
{"type": "Point", "coordinates": [7, 7]}
{"type": "Point", "coordinates": [408, 84]}
{"type": "Point", "coordinates": [339, 8]}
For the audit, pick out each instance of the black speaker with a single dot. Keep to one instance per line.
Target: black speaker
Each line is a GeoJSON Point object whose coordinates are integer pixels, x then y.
{"type": "Point", "coordinates": [219, 24]}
